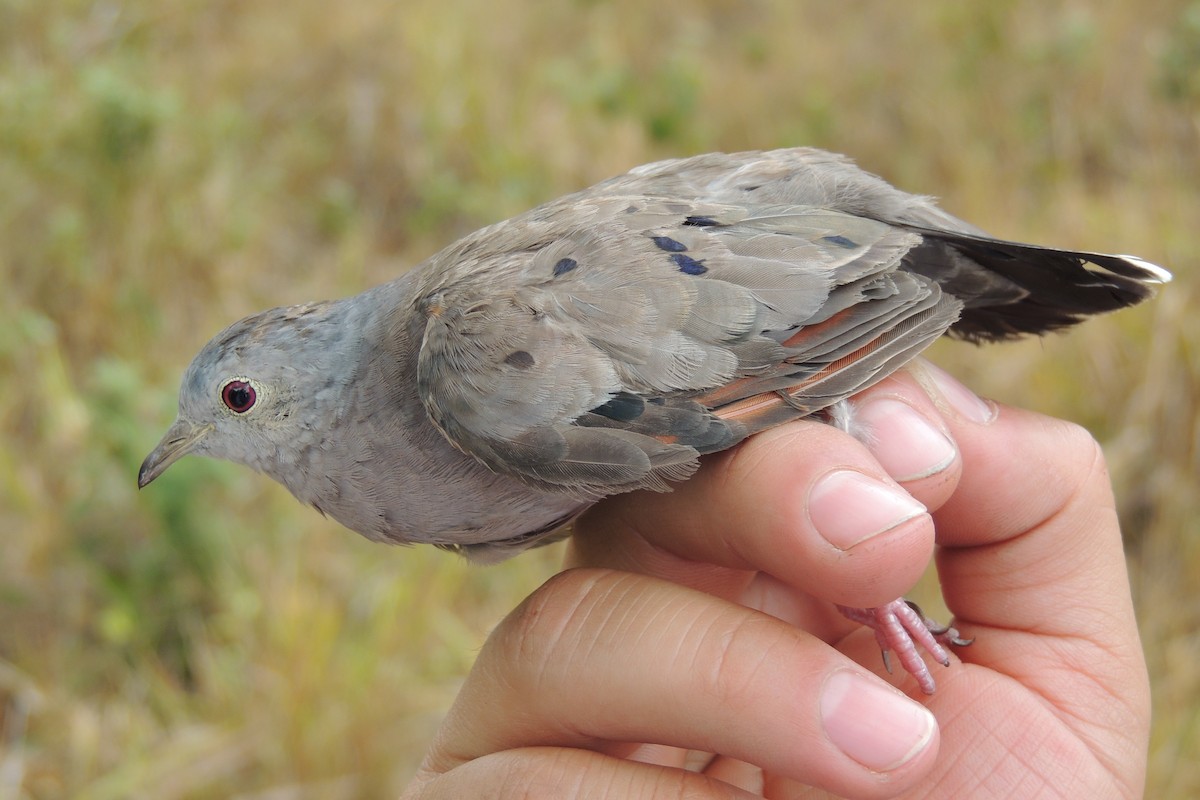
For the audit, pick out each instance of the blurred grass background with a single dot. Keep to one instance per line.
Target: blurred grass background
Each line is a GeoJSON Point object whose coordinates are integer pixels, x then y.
{"type": "Point", "coordinates": [169, 166]}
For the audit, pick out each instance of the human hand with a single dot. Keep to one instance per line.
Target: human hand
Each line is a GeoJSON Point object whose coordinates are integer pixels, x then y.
{"type": "Point", "coordinates": [1051, 698]}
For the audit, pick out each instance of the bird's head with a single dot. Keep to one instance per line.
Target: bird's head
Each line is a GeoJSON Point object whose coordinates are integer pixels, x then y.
{"type": "Point", "coordinates": [244, 395]}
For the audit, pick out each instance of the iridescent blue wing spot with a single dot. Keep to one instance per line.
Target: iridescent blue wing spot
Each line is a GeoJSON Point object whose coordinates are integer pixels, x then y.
{"type": "Point", "coordinates": [688, 265]}
{"type": "Point", "coordinates": [668, 244]}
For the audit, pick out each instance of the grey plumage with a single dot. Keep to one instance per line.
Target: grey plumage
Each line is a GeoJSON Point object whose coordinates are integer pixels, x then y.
{"type": "Point", "coordinates": [601, 342]}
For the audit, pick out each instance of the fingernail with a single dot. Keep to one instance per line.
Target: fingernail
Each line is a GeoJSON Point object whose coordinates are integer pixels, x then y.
{"type": "Point", "coordinates": [875, 725]}
{"type": "Point", "coordinates": [847, 507]}
{"type": "Point", "coordinates": [905, 442]}
{"type": "Point", "coordinates": [959, 397]}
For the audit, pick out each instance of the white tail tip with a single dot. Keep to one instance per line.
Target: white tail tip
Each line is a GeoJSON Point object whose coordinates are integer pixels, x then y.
{"type": "Point", "coordinates": [1158, 274]}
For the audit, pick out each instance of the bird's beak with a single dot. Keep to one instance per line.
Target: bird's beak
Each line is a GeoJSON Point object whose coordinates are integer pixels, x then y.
{"type": "Point", "coordinates": [179, 440]}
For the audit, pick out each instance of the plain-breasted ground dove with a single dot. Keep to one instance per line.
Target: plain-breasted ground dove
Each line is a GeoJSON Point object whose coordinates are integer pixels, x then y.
{"type": "Point", "coordinates": [603, 341]}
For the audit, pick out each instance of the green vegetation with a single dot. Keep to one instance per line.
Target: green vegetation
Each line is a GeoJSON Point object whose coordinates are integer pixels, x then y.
{"type": "Point", "coordinates": [169, 166]}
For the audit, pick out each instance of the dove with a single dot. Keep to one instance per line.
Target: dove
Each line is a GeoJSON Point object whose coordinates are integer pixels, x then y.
{"type": "Point", "coordinates": [602, 342]}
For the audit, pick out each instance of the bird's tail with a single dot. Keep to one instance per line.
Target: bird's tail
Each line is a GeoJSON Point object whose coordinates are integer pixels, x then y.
{"type": "Point", "coordinates": [1009, 289]}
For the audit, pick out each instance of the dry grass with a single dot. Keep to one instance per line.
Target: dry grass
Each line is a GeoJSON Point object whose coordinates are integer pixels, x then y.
{"type": "Point", "coordinates": [166, 167]}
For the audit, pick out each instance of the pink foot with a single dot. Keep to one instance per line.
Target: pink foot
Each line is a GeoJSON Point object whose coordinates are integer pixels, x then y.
{"type": "Point", "coordinates": [900, 627]}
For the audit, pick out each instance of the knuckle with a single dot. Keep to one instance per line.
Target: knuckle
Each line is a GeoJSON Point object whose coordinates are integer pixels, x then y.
{"type": "Point", "coordinates": [1077, 445]}
{"type": "Point", "coordinates": [541, 630]}
{"type": "Point", "coordinates": [734, 654]}
{"type": "Point", "coordinates": [545, 778]}
{"type": "Point", "coordinates": [1076, 439]}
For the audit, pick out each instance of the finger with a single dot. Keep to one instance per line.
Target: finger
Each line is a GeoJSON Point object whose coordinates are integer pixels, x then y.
{"type": "Point", "coordinates": [904, 429]}
{"type": "Point", "coordinates": [1033, 567]}
{"type": "Point", "coordinates": [1033, 524]}
{"type": "Point", "coordinates": [1059, 571]}
{"type": "Point", "coordinates": [803, 502]}
{"type": "Point", "coordinates": [599, 656]}
{"type": "Point", "coordinates": [556, 772]}
{"type": "Point", "coordinates": [741, 774]}
{"type": "Point", "coordinates": [1031, 542]}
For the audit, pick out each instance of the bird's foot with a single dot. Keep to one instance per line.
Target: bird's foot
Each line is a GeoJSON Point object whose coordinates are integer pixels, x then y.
{"type": "Point", "coordinates": [902, 628]}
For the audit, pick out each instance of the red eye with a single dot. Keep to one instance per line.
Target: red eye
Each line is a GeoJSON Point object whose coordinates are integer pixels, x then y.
{"type": "Point", "coordinates": [239, 396]}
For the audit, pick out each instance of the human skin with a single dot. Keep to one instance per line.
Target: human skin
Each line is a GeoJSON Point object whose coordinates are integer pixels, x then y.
{"type": "Point", "coordinates": [703, 621]}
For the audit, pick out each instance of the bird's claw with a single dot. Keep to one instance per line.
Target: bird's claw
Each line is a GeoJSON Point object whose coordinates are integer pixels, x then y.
{"type": "Point", "coordinates": [946, 634]}
{"type": "Point", "coordinates": [901, 628]}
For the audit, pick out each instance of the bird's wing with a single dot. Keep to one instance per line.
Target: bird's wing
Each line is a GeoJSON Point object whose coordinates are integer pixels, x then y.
{"type": "Point", "coordinates": [601, 346]}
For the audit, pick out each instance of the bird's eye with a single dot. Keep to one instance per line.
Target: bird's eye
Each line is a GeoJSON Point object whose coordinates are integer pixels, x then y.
{"type": "Point", "coordinates": [238, 396]}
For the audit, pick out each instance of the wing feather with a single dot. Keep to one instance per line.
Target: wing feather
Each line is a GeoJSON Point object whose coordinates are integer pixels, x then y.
{"type": "Point", "coordinates": [602, 341]}
{"type": "Point", "coordinates": [597, 356]}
